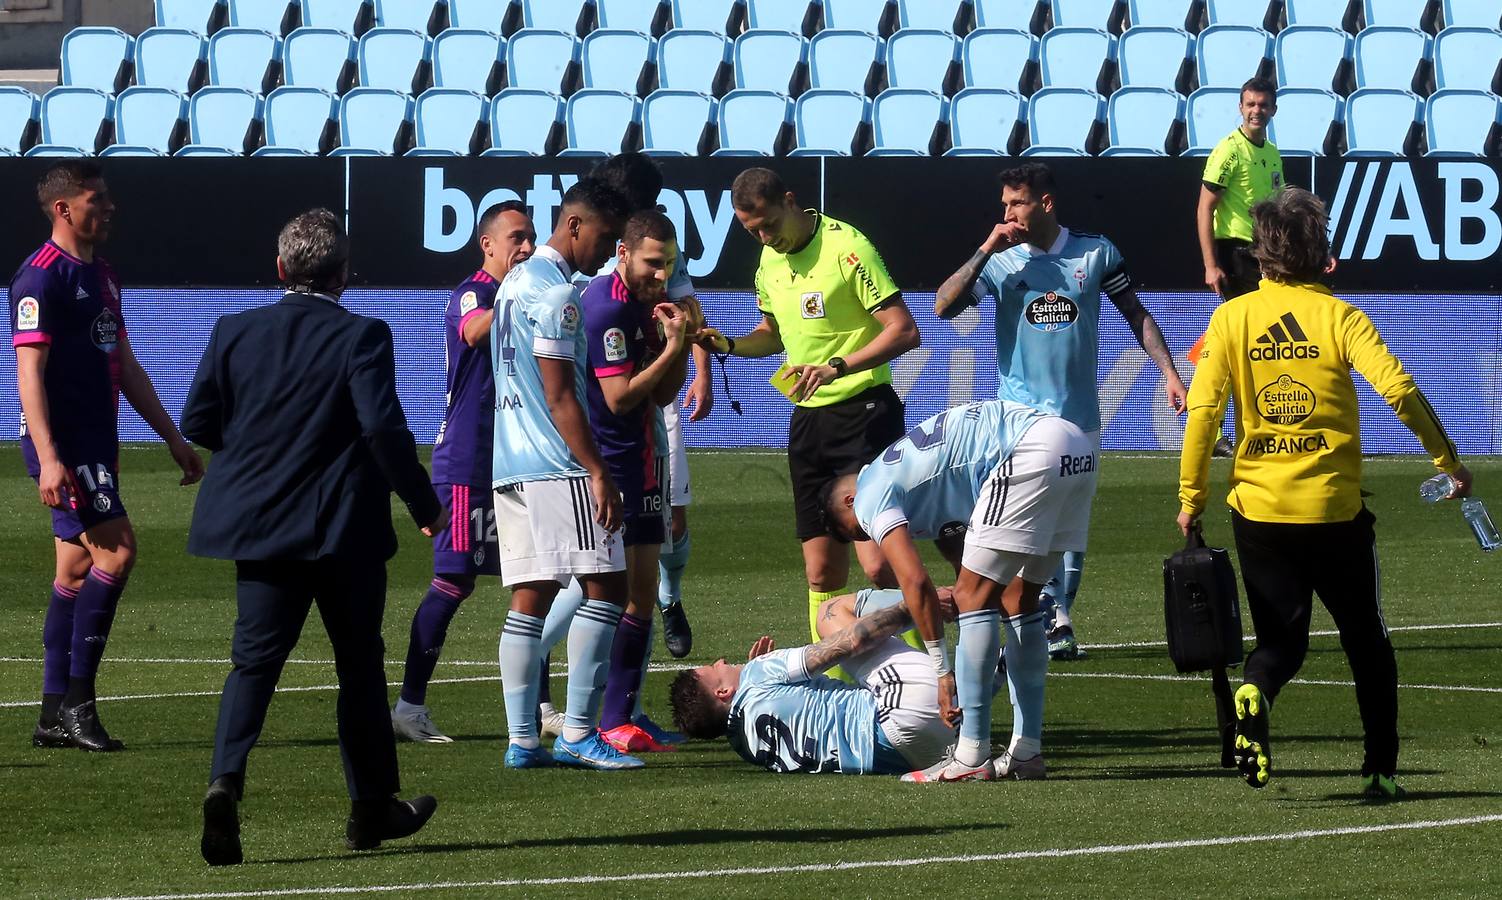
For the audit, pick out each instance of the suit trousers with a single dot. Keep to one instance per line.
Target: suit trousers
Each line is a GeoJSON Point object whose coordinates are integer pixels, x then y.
{"type": "Point", "coordinates": [274, 598]}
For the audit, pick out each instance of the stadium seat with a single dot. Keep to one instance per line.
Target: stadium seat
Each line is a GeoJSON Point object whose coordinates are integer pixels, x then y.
{"type": "Point", "coordinates": [778, 15]}
{"type": "Point", "coordinates": [1064, 117]}
{"type": "Point", "coordinates": [904, 119]}
{"type": "Point", "coordinates": [241, 57]}
{"type": "Point", "coordinates": [984, 120]}
{"type": "Point", "coordinates": [541, 60]}
{"type": "Point", "coordinates": [937, 15]}
{"type": "Point", "coordinates": [1084, 13]}
{"type": "Point", "coordinates": [1210, 115]}
{"type": "Point", "coordinates": [1311, 56]}
{"type": "Point", "coordinates": [1154, 56]}
{"type": "Point", "coordinates": [1246, 13]}
{"type": "Point", "coordinates": [317, 58]}
{"type": "Point", "coordinates": [74, 116]}
{"type": "Point", "coordinates": [825, 122]}
{"type": "Point", "coordinates": [150, 117]}
{"type": "Point", "coordinates": [1016, 15]}
{"type": "Point", "coordinates": [1468, 59]}
{"type": "Point", "coordinates": [371, 119]}
{"type": "Point", "coordinates": [1378, 121]}
{"type": "Point", "coordinates": [1395, 13]}
{"type": "Point", "coordinates": [193, 15]}
{"type": "Point", "coordinates": [1330, 13]}
{"type": "Point", "coordinates": [570, 16]}
{"type": "Point", "coordinates": [195, 150]}
{"type": "Point", "coordinates": [1132, 151]}
{"type": "Point", "coordinates": [445, 121]}
{"type": "Point", "coordinates": [393, 58]}
{"type": "Point", "coordinates": [96, 58]}
{"type": "Point", "coordinates": [614, 60]}
{"type": "Point", "coordinates": [752, 121]}
{"type": "Point", "coordinates": [283, 152]}
{"type": "Point", "coordinates": [842, 60]}
{"type": "Point", "coordinates": [297, 117]}
{"type": "Point", "coordinates": [1053, 150]}
{"type": "Point", "coordinates": [58, 150]}
{"type": "Point", "coordinates": [413, 15]}
{"type": "Point", "coordinates": [480, 15]}
{"type": "Point", "coordinates": [1473, 13]}
{"type": "Point", "coordinates": [1164, 14]}
{"type": "Point", "coordinates": [998, 58]}
{"type": "Point", "coordinates": [222, 117]}
{"type": "Point", "coordinates": [348, 16]}
{"type": "Point", "coordinates": [921, 59]}
{"type": "Point", "coordinates": [599, 122]}
{"type": "Point", "coordinates": [856, 15]}
{"type": "Point", "coordinates": [1459, 123]}
{"type": "Point", "coordinates": [673, 122]}
{"type": "Point", "coordinates": [467, 59]}
{"type": "Point", "coordinates": [632, 15]}
{"type": "Point", "coordinates": [131, 150]}
{"type": "Point", "coordinates": [522, 121]}
{"type": "Point", "coordinates": [261, 15]}
{"type": "Point", "coordinates": [1390, 57]}
{"type": "Point", "coordinates": [1230, 54]}
{"type": "Point", "coordinates": [1302, 124]}
{"type": "Point", "coordinates": [1144, 117]}
{"type": "Point", "coordinates": [769, 60]}
{"type": "Point", "coordinates": [706, 15]}
{"type": "Point", "coordinates": [19, 109]}
{"type": "Point", "coordinates": [691, 60]}
{"type": "Point", "coordinates": [1074, 57]}
{"type": "Point", "coordinates": [169, 58]}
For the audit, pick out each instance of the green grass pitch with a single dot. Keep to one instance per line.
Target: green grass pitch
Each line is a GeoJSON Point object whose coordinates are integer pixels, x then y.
{"type": "Point", "coordinates": [1135, 804]}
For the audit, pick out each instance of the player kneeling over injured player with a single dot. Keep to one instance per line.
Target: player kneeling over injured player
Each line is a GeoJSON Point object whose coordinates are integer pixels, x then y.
{"type": "Point", "coordinates": [781, 713]}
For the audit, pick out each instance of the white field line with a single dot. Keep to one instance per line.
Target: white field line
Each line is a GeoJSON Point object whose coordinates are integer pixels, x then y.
{"type": "Point", "coordinates": [1318, 682]}
{"type": "Point", "coordinates": [1248, 638]}
{"type": "Point", "coordinates": [820, 868]}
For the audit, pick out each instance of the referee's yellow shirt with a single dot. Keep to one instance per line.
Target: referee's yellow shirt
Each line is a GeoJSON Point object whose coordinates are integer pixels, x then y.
{"type": "Point", "coordinates": [1286, 351]}
{"type": "Point", "coordinates": [1247, 174]}
{"type": "Point", "coordinates": [821, 298]}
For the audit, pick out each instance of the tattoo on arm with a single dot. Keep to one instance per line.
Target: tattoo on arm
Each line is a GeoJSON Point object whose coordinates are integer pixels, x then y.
{"type": "Point", "coordinates": [1145, 329]}
{"type": "Point", "coordinates": [953, 294]}
{"type": "Point", "coordinates": [858, 638]}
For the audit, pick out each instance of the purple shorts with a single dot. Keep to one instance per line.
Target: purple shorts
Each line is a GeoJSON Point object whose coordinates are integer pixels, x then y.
{"type": "Point", "coordinates": [468, 546]}
{"type": "Point", "coordinates": [99, 498]}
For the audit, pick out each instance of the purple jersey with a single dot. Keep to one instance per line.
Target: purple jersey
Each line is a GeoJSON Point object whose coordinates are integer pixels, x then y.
{"type": "Point", "coordinates": [620, 333]}
{"type": "Point", "coordinates": [73, 307]}
{"type": "Point", "coordinates": [461, 454]}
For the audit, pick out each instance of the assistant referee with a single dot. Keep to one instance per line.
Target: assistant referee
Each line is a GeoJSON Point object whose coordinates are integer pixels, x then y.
{"type": "Point", "coordinates": [827, 300]}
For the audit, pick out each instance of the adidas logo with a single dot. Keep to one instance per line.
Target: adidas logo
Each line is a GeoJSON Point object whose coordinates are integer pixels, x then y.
{"type": "Point", "coordinates": [1284, 339]}
{"type": "Point", "coordinates": [82, 294]}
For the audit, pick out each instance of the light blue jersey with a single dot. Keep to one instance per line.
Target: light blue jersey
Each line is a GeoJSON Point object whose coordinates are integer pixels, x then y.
{"type": "Point", "coordinates": [1048, 321]}
{"type": "Point", "coordinates": [786, 720]}
{"type": "Point", "coordinates": [932, 476]}
{"type": "Point", "coordinates": [537, 315]}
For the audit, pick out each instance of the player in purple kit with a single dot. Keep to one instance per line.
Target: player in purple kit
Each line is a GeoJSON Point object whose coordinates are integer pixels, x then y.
{"type": "Point", "coordinates": [73, 360]}
{"type": "Point", "coordinates": [462, 462]}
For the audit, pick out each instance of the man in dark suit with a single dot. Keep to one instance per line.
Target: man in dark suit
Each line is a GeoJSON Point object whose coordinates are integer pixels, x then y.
{"type": "Point", "coordinates": [298, 402]}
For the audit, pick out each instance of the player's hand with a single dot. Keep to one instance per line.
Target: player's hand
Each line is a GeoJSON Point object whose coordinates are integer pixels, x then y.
{"type": "Point", "coordinates": [1178, 395]}
{"type": "Point", "coordinates": [188, 460]}
{"type": "Point", "coordinates": [1462, 478]}
{"type": "Point", "coordinates": [948, 611]}
{"type": "Point", "coordinates": [1187, 523]}
{"type": "Point", "coordinates": [57, 486]}
{"type": "Point", "coordinates": [438, 522]}
{"type": "Point", "coordinates": [949, 709]}
{"type": "Point", "coordinates": [1215, 280]}
{"type": "Point", "coordinates": [711, 339]}
{"type": "Point", "coordinates": [700, 399]}
{"type": "Point", "coordinates": [810, 379]}
{"type": "Point", "coordinates": [673, 322]}
{"type": "Point", "coordinates": [695, 313]}
{"type": "Point", "coordinates": [762, 647]}
{"type": "Point", "coordinates": [1007, 234]}
{"type": "Point", "coordinates": [607, 500]}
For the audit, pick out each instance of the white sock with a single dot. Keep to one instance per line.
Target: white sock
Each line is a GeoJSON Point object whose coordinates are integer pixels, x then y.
{"type": "Point", "coordinates": [1024, 748]}
{"type": "Point", "coordinates": [970, 752]}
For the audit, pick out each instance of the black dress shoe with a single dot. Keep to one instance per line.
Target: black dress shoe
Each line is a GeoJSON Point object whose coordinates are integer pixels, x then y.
{"type": "Point", "coordinates": [220, 844]}
{"type": "Point", "coordinates": [50, 733]}
{"type": "Point", "coordinates": [373, 821]}
{"type": "Point", "coordinates": [676, 632]}
{"type": "Point", "coordinates": [82, 725]}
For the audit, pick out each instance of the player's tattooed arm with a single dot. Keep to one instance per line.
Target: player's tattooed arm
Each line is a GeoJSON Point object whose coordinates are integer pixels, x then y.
{"type": "Point", "coordinates": [866, 633]}
{"type": "Point", "coordinates": [1150, 338]}
{"type": "Point", "coordinates": [954, 294]}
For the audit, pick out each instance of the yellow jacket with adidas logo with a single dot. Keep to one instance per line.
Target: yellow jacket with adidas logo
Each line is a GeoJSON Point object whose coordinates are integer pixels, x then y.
{"type": "Point", "coordinates": [1286, 351]}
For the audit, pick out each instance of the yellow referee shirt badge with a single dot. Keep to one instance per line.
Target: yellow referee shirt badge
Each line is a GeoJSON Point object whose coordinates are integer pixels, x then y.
{"type": "Point", "coordinates": [813, 305]}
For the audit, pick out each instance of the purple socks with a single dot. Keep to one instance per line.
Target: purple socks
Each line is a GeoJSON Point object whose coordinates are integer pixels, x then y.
{"type": "Point", "coordinates": [93, 614]}
{"type": "Point", "coordinates": [627, 653]}
{"type": "Point", "coordinates": [430, 625]}
{"type": "Point", "coordinates": [57, 641]}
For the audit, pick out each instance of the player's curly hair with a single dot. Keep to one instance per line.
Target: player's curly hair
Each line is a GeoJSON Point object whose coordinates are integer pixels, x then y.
{"type": "Point", "coordinates": [1290, 238]}
{"type": "Point", "coordinates": [696, 712]}
{"type": "Point", "coordinates": [594, 196]}
{"type": "Point", "coordinates": [634, 175]}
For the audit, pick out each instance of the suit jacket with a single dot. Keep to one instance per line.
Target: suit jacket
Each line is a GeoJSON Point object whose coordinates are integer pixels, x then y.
{"type": "Point", "coordinates": [298, 401]}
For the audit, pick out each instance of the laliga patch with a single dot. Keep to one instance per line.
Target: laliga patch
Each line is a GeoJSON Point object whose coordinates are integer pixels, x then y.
{"type": "Point", "coordinates": [615, 345]}
{"type": "Point", "coordinates": [1285, 401]}
{"type": "Point", "coordinates": [568, 317]}
{"type": "Point", "coordinates": [28, 314]}
{"type": "Point", "coordinates": [105, 330]}
{"type": "Point", "coordinates": [813, 305]}
{"type": "Point", "coordinates": [468, 303]}
{"type": "Point", "coordinates": [1051, 312]}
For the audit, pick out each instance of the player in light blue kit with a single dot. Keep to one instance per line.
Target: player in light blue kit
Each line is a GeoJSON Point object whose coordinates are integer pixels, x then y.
{"type": "Point", "coordinates": [1047, 281]}
{"type": "Point", "coordinates": [556, 506]}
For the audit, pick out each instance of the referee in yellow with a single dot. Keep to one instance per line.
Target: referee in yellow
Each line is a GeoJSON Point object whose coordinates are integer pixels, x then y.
{"type": "Point", "coordinates": [1243, 170]}
{"type": "Point", "coordinates": [1285, 352]}
{"type": "Point", "coordinates": [827, 300]}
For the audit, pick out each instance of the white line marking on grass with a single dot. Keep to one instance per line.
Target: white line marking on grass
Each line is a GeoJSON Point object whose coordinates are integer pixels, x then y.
{"type": "Point", "coordinates": [1248, 638]}
{"type": "Point", "coordinates": [1123, 676]}
{"type": "Point", "coordinates": [740, 872]}
{"type": "Point", "coordinates": [16, 704]}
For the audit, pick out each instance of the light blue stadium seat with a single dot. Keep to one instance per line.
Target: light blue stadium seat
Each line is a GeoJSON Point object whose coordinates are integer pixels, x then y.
{"type": "Point", "coordinates": [149, 117]}
{"type": "Point", "coordinates": [1230, 54]}
{"type": "Point", "coordinates": [316, 58]}
{"type": "Point", "coordinates": [1063, 117]}
{"type": "Point", "coordinates": [275, 152]}
{"type": "Point", "coordinates": [1016, 15]}
{"type": "Point", "coordinates": [193, 15]}
{"type": "Point", "coordinates": [1330, 13]}
{"type": "Point", "coordinates": [1153, 56]}
{"type": "Point", "coordinates": [1388, 57]}
{"type": "Point", "coordinates": [557, 15]}
{"type": "Point", "coordinates": [1211, 114]}
{"type": "Point", "coordinates": [1053, 150]}
{"type": "Point", "coordinates": [827, 120]}
{"type": "Point", "coordinates": [938, 15]}
{"type": "Point", "coordinates": [997, 58]}
{"type": "Point", "coordinates": [371, 119]}
{"type": "Point", "coordinates": [540, 60]}
{"type": "Point", "coordinates": [223, 117]}
{"type": "Point", "coordinates": [72, 116]}
{"type": "Point", "coordinates": [1303, 119]}
{"type": "Point", "coordinates": [752, 121]}
{"type": "Point", "coordinates": [632, 15]}
{"type": "Point", "coordinates": [349, 16]}
{"type": "Point", "coordinates": [392, 58]}
{"type": "Point", "coordinates": [466, 58]}
{"type": "Point", "coordinates": [239, 57]}
{"type": "Point", "coordinates": [138, 150]}
{"type": "Point", "coordinates": [1083, 13]}
{"type": "Point", "coordinates": [920, 59]}
{"type": "Point", "coordinates": [196, 150]}
{"type": "Point", "coordinates": [1163, 14]}
{"type": "Point", "coordinates": [842, 60]}
{"type": "Point", "coordinates": [704, 15]}
{"type": "Point", "coordinates": [445, 121]}
{"type": "Point", "coordinates": [1473, 13]}
{"type": "Point", "coordinates": [94, 58]}
{"type": "Point", "coordinates": [672, 122]}
{"type": "Point", "coordinates": [261, 15]}
{"type": "Point", "coordinates": [1073, 57]}
{"type": "Point", "coordinates": [59, 150]}
{"type": "Point", "coordinates": [297, 116]}
{"type": "Point", "coordinates": [1247, 13]}
{"type": "Point", "coordinates": [169, 58]}
{"type": "Point", "coordinates": [482, 15]}
{"type": "Point", "coordinates": [855, 15]}
{"type": "Point", "coordinates": [904, 119]}
{"type": "Point", "coordinates": [1396, 13]}
{"type": "Point", "coordinates": [613, 60]}
{"type": "Point", "coordinates": [973, 151]}
{"type": "Point", "coordinates": [597, 122]}
{"type": "Point", "coordinates": [522, 121]}
{"type": "Point", "coordinates": [1310, 55]}
{"type": "Point", "coordinates": [768, 60]}
{"type": "Point", "coordinates": [19, 109]}
{"type": "Point", "coordinates": [983, 119]}
{"type": "Point", "coordinates": [777, 15]}
{"type": "Point", "coordinates": [1378, 120]}
{"type": "Point", "coordinates": [1467, 58]}
{"type": "Point", "coordinates": [1132, 151]}
{"type": "Point", "coordinates": [1143, 117]}
{"type": "Point", "coordinates": [413, 15]}
{"type": "Point", "coordinates": [690, 60]}
{"type": "Point", "coordinates": [1458, 123]}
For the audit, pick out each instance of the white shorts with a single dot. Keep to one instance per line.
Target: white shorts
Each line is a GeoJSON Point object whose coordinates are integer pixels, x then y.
{"type": "Point", "coordinates": [677, 457]}
{"type": "Point", "coordinates": [548, 532]}
{"type": "Point", "coordinates": [907, 700]}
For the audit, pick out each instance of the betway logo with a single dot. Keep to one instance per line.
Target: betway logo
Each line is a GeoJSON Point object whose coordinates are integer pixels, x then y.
{"type": "Point", "coordinates": [449, 214]}
{"type": "Point", "coordinates": [1398, 212]}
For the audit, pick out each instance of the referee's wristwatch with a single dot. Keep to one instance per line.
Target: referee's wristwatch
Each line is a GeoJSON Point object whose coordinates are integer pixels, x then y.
{"type": "Point", "coordinates": [841, 368]}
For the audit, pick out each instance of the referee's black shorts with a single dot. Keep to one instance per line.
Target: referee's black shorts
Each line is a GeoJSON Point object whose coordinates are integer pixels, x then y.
{"type": "Point", "coordinates": [828, 441]}
{"type": "Point", "coordinates": [1236, 260]}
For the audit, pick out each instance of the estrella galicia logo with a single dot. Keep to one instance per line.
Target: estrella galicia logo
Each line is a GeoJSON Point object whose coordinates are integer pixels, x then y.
{"type": "Point", "coordinates": [1284, 339]}
{"type": "Point", "coordinates": [1052, 312]}
{"type": "Point", "coordinates": [1285, 401]}
{"type": "Point", "coordinates": [105, 331]}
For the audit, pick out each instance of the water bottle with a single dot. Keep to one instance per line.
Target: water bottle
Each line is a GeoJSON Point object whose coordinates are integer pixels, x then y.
{"type": "Point", "coordinates": [1481, 523]}
{"type": "Point", "coordinates": [1437, 488]}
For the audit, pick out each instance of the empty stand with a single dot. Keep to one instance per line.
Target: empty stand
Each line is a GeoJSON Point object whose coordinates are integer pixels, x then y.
{"type": "Point", "coordinates": [1379, 122]}
{"type": "Point", "coordinates": [1249, 13]}
{"type": "Point", "coordinates": [170, 58]}
{"type": "Point", "coordinates": [1398, 13]}
{"type": "Point", "coordinates": [1303, 122]}
{"type": "Point", "coordinates": [19, 109]}
{"type": "Point", "coordinates": [598, 123]}
{"type": "Point", "coordinates": [222, 117]}
{"type": "Point", "coordinates": [1461, 123]}
{"type": "Point", "coordinates": [541, 60]}
{"type": "Point", "coordinates": [1468, 59]}
{"type": "Point", "coordinates": [752, 121]}
{"type": "Point", "coordinates": [940, 15]}
{"type": "Point", "coordinates": [1331, 13]}
{"type": "Point", "coordinates": [921, 59]}
{"type": "Point", "coordinates": [350, 16]}
{"type": "Point", "coordinates": [413, 15]}
{"type": "Point", "coordinates": [75, 116]}
{"type": "Point", "coordinates": [673, 122]}
{"type": "Point", "coordinates": [572, 16]}
{"type": "Point", "coordinates": [1312, 56]}
{"type": "Point", "coordinates": [1476, 13]}
{"type": "Point", "coordinates": [262, 15]}
{"type": "Point", "coordinates": [1016, 14]}
{"type": "Point", "coordinates": [1064, 117]}
{"type": "Point", "coordinates": [393, 58]}
{"type": "Point", "coordinates": [632, 15]}
{"type": "Point", "coordinates": [780, 15]}
{"type": "Point", "coordinates": [706, 15]}
{"type": "Point", "coordinates": [1390, 57]}
{"type": "Point", "coordinates": [522, 122]}
{"type": "Point", "coordinates": [903, 121]}
{"type": "Point", "coordinates": [856, 15]}
{"type": "Point", "coordinates": [317, 58]}
{"type": "Point", "coordinates": [769, 60]}
{"type": "Point", "coordinates": [827, 121]}
{"type": "Point", "coordinates": [131, 150]}
{"type": "Point", "coordinates": [985, 120]}
{"type": "Point", "coordinates": [242, 57]}
{"type": "Point", "coordinates": [1230, 54]}
{"type": "Point", "coordinates": [298, 117]}
{"type": "Point", "coordinates": [58, 150]}
{"type": "Point", "coordinates": [1211, 114]}
{"type": "Point", "coordinates": [1075, 57]}
{"type": "Point", "coordinates": [150, 117]}
{"type": "Point", "coordinates": [446, 121]}
{"type": "Point", "coordinates": [1086, 14]}
{"type": "Point", "coordinates": [97, 58]}
{"type": "Point", "coordinates": [283, 152]}
{"type": "Point", "coordinates": [842, 60]}
{"type": "Point", "coordinates": [998, 58]}
{"type": "Point", "coordinates": [484, 15]}
{"type": "Point", "coordinates": [1144, 117]}
{"type": "Point", "coordinates": [467, 58]}
{"type": "Point", "coordinates": [200, 16]}
{"type": "Point", "coordinates": [1153, 56]}
{"type": "Point", "coordinates": [691, 60]}
{"type": "Point", "coordinates": [1166, 13]}
{"type": "Point", "coordinates": [613, 60]}
{"type": "Point", "coordinates": [372, 119]}
{"type": "Point", "coordinates": [195, 150]}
